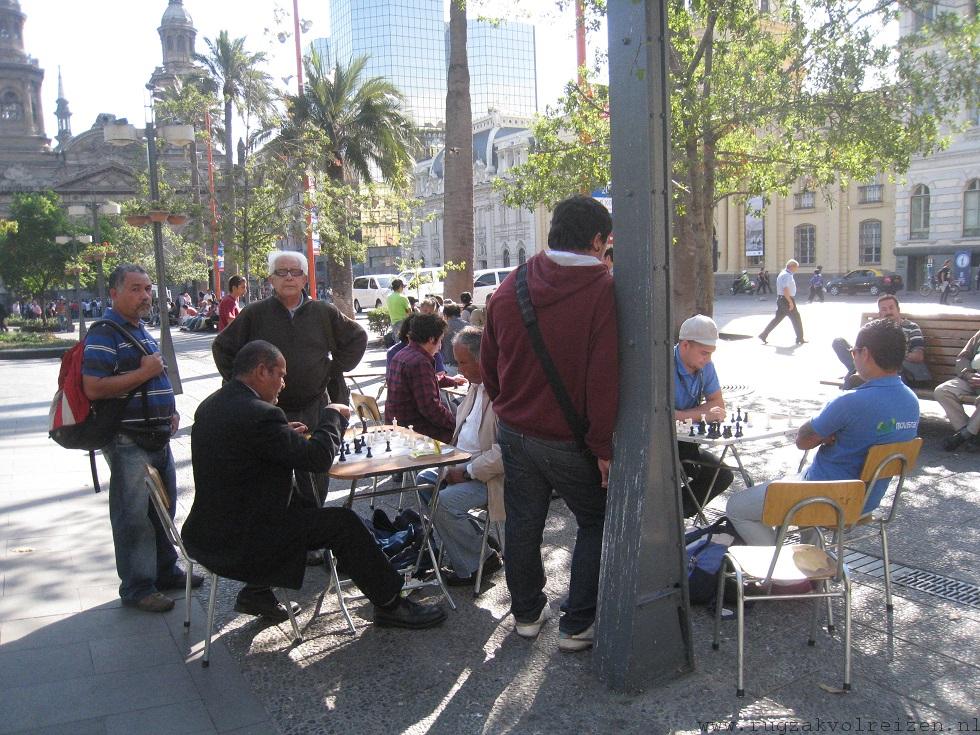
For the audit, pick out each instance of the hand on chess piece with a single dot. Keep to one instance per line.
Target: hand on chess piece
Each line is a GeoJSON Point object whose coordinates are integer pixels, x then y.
{"type": "Point", "coordinates": [299, 427]}
{"type": "Point", "coordinates": [716, 413]}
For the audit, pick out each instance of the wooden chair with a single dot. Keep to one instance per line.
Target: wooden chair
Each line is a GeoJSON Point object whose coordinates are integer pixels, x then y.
{"type": "Point", "coordinates": [885, 461]}
{"type": "Point", "coordinates": [836, 505]}
{"type": "Point", "coordinates": [366, 408]}
{"type": "Point", "coordinates": [161, 503]}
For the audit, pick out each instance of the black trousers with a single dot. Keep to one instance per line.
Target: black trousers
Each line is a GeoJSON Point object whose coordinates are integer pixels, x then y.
{"type": "Point", "coordinates": [341, 531]}
{"type": "Point", "coordinates": [783, 311]}
{"type": "Point", "coordinates": [699, 466]}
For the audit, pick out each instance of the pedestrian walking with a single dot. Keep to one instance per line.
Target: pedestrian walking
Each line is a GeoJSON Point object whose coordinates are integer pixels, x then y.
{"type": "Point", "coordinates": [944, 280]}
{"type": "Point", "coordinates": [816, 285]}
{"type": "Point", "coordinates": [786, 303]}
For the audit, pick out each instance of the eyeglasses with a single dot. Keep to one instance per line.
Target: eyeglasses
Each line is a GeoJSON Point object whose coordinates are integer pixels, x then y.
{"type": "Point", "coordinates": [855, 350]}
{"type": "Point", "coordinates": [294, 272]}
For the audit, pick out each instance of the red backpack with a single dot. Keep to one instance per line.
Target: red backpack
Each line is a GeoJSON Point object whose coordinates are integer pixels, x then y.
{"type": "Point", "coordinates": [74, 421]}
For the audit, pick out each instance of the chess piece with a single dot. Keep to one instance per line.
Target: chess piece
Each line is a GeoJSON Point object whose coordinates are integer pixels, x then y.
{"type": "Point", "coordinates": [738, 429]}
{"type": "Point", "coordinates": [745, 418]}
{"type": "Point", "coordinates": [357, 445]}
{"type": "Point", "coordinates": [728, 432]}
{"type": "Point", "coordinates": [789, 421]}
{"type": "Point", "coordinates": [369, 455]}
{"type": "Point", "coordinates": [692, 430]}
{"type": "Point", "coordinates": [343, 454]}
{"type": "Point", "coordinates": [701, 427]}
{"type": "Point", "coordinates": [388, 445]}
{"type": "Point", "coordinates": [738, 414]}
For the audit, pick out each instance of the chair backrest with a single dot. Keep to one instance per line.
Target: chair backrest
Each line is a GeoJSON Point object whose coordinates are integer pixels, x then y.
{"type": "Point", "coordinates": [782, 499]}
{"type": "Point", "coordinates": [890, 460]}
{"type": "Point", "coordinates": [366, 408]}
{"type": "Point", "coordinates": [161, 503]}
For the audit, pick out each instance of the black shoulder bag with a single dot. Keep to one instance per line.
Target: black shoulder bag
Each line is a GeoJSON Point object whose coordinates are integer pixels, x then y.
{"type": "Point", "coordinates": [576, 423]}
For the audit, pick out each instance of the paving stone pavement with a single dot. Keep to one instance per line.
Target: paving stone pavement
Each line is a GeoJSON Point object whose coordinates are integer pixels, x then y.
{"type": "Point", "coordinates": [73, 660]}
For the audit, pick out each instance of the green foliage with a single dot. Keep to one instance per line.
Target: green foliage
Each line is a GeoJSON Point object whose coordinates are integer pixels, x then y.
{"type": "Point", "coordinates": [21, 340]}
{"type": "Point", "coordinates": [379, 321]}
{"type": "Point", "coordinates": [30, 259]}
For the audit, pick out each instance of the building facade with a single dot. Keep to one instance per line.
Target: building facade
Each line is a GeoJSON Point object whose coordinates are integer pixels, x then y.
{"type": "Point", "coordinates": [937, 212]}
{"type": "Point", "coordinates": [504, 236]}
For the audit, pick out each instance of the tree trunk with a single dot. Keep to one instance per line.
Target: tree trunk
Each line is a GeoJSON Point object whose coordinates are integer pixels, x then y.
{"type": "Point", "coordinates": [231, 262]}
{"type": "Point", "coordinates": [458, 198]}
{"type": "Point", "coordinates": [341, 272]}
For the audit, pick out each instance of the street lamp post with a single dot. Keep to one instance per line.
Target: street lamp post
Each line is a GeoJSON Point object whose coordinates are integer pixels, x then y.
{"type": "Point", "coordinates": [85, 240]}
{"type": "Point", "coordinates": [122, 133]}
{"type": "Point", "coordinates": [108, 208]}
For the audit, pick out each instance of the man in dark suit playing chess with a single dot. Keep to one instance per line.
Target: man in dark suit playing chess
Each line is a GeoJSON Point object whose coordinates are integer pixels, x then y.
{"type": "Point", "coordinates": [242, 524]}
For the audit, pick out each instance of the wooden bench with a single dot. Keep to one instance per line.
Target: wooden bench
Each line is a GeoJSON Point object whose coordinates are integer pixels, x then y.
{"type": "Point", "coordinates": [945, 336]}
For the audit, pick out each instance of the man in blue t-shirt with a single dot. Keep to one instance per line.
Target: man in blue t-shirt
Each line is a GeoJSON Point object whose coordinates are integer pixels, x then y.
{"type": "Point", "coordinates": [697, 395]}
{"type": "Point", "coordinates": [881, 411]}
{"type": "Point", "coordinates": [145, 560]}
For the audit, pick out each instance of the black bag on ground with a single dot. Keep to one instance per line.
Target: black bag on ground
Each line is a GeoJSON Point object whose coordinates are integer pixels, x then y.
{"type": "Point", "coordinates": [706, 548]}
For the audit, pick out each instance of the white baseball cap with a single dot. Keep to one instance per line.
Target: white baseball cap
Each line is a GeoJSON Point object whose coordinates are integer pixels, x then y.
{"type": "Point", "coordinates": [701, 329]}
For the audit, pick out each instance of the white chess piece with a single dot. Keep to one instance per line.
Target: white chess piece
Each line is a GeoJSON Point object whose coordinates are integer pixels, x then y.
{"type": "Point", "coordinates": [789, 421]}
{"type": "Point", "coordinates": [768, 421]}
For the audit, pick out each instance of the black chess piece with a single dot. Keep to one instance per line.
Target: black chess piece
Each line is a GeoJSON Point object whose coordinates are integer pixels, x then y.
{"type": "Point", "coordinates": [358, 444]}
{"type": "Point", "coordinates": [692, 430]}
{"type": "Point", "coordinates": [369, 455]}
{"type": "Point", "coordinates": [387, 445]}
{"type": "Point", "coordinates": [745, 417]}
{"type": "Point", "coordinates": [343, 454]}
{"type": "Point", "coordinates": [728, 432]}
{"type": "Point", "coordinates": [738, 429]}
{"type": "Point", "coordinates": [701, 427]}
{"type": "Point", "coordinates": [717, 429]}
{"type": "Point", "coordinates": [738, 414]}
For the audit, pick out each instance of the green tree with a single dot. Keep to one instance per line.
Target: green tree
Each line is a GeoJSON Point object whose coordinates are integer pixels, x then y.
{"type": "Point", "coordinates": [351, 131]}
{"type": "Point", "coordinates": [30, 259]}
{"type": "Point", "coordinates": [236, 72]}
{"type": "Point", "coordinates": [763, 99]}
{"type": "Point", "coordinates": [458, 193]}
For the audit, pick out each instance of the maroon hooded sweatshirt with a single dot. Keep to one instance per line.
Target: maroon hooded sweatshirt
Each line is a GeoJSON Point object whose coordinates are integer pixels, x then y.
{"type": "Point", "coordinates": [576, 312]}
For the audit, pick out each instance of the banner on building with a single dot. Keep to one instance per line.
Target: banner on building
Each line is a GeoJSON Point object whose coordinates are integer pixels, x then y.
{"type": "Point", "coordinates": [755, 228]}
{"type": "Point", "coordinates": [961, 267]}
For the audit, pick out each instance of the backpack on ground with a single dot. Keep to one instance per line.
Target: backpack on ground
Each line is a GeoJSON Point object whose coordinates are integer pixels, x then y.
{"type": "Point", "coordinates": [706, 548]}
{"type": "Point", "coordinates": [74, 421]}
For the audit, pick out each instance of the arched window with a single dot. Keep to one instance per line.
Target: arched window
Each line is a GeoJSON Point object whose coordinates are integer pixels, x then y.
{"type": "Point", "coordinates": [805, 244]}
{"type": "Point", "coordinates": [971, 209]}
{"type": "Point", "coordinates": [521, 256]}
{"type": "Point", "coordinates": [919, 211]}
{"type": "Point", "coordinates": [506, 258]}
{"type": "Point", "coordinates": [869, 238]}
{"type": "Point", "coordinates": [11, 107]}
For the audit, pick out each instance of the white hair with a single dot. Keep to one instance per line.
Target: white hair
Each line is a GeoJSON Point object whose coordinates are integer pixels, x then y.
{"type": "Point", "coordinates": [791, 261]}
{"type": "Point", "coordinates": [295, 254]}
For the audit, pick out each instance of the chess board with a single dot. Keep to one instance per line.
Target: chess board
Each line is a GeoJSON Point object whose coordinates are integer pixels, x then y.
{"type": "Point", "coordinates": [408, 450]}
{"type": "Point", "coordinates": [761, 425]}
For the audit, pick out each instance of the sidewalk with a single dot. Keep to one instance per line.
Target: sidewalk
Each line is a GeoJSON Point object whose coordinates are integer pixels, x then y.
{"type": "Point", "coordinates": [72, 660]}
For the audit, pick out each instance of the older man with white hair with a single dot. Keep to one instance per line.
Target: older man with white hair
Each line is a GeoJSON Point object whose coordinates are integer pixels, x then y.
{"type": "Point", "coordinates": [786, 303]}
{"type": "Point", "coordinates": [318, 342]}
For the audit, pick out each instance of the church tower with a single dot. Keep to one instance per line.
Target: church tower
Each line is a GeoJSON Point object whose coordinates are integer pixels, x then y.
{"type": "Point", "coordinates": [177, 34]}
{"type": "Point", "coordinates": [21, 116]}
{"type": "Point", "coordinates": [63, 114]}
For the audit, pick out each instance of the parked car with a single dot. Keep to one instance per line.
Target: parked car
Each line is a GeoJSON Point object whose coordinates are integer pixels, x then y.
{"type": "Point", "coordinates": [486, 281]}
{"type": "Point", "coordinates": [371, 291]}
{"type": "Point", "coordinates": [420, 282]}
{"type": "Point", "coordinates": [871, 280]}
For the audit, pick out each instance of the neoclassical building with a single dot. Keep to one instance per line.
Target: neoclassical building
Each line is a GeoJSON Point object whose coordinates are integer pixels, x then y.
{"type": "Point", "coordinates": [504, 236]}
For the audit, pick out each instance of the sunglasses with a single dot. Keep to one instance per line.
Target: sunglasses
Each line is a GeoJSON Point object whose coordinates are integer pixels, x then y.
{"type": "Point", "coordinates": [294, 272]}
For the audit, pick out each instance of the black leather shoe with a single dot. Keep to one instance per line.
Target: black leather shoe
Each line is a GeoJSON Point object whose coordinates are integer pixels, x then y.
{"type": "Point", "coordinates": [409, 614]}
{"type": "Point", "coordinates": [955, 441]}
{"type": "Point", "coordinates": [179, 582]}
{"type": "Point", "coordinates": [491, 565]}
{"type": "Point", "coordinates": [764, 341]}
{"type": "Point", "coordinates": [264, 604]}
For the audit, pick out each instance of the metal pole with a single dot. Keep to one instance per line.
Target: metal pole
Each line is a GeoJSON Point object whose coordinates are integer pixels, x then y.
{"type": "Point", "coordinates": [310, 255]}
{"type": "Point", "coordinates": [166, 341]}
{"type": "Point", "coordinates": [643, 623]}
{"type": "Point", "coordinates": [97, 234]}
{"type": "Point", "coordinates": [78, 298]}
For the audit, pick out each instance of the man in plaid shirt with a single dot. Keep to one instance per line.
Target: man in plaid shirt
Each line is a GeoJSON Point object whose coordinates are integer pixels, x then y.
{"type": "Point", "coordinates": [413, 388]}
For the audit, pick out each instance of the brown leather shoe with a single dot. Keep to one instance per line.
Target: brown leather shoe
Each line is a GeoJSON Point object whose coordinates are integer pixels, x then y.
{"type": "Point", "coordinates": [155, 602]}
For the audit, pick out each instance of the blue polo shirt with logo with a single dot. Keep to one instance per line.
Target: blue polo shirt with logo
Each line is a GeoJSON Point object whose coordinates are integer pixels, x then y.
{"type": "Point", "coordinates": [690, 389]}
{"type": "Point", "coordinates": [881, 411]}
{"type": "Point", "coordinates": [107, 353]}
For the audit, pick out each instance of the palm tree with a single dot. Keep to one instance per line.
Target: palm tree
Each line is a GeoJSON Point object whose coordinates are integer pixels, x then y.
{"type": "Point", "coordinates": [458, 196]}
{"type": "Point", "coordinates": [235, 71]}
{"type": "Point", "coordinates": [362, 136]}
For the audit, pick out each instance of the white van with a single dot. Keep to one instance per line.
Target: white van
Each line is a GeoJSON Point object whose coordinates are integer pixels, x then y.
{"type": "Point", "coordinates": [420, 282]}
{"type": "Point", "coordinates": [486, 281]}
{"type": "Point", "coordinates": [371, 291]}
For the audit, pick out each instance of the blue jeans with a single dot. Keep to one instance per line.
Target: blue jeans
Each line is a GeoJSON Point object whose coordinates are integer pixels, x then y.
{"type": "Point", "coordinates": [143, 552]}
{"type": "Point", "coordinates": [532, 469]}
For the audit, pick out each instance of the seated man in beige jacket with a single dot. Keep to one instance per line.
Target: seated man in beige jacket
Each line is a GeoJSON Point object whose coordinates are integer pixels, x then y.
{"type": "Point", "coordinates": [469, 485]}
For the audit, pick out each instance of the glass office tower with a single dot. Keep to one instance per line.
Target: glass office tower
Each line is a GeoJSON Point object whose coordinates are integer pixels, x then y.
{"type": "Point", "coordinates": [404, 40]}
{"type": "Point", "coordinates": [502, 67]}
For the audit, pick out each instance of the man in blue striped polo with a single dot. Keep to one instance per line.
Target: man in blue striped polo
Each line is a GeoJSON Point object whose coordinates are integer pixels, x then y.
{"type": "Point", "coordinates": [145, 560]}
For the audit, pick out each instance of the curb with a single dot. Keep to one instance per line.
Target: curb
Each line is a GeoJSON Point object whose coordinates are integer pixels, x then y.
{"type": "Point", "coordinates": [35, 353]}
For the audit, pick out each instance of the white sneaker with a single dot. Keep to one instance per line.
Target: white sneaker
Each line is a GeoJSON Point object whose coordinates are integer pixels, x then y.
{"type": "Point", "coordinates": [578, 641]}
{"type": "Point", "coordinates": [531, 630]}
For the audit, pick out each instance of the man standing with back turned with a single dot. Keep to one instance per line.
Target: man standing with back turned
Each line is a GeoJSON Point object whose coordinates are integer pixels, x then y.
{"type": "Point", "coordinates": [546, 448]}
